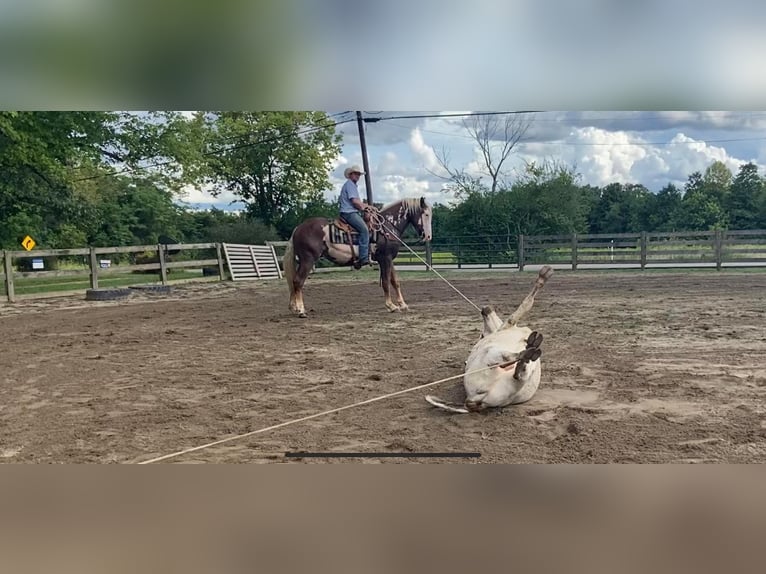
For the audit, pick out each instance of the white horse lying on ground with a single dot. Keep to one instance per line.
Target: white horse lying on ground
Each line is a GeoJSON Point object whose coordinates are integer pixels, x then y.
{"type": "Point", "coordinates": [516, 352]}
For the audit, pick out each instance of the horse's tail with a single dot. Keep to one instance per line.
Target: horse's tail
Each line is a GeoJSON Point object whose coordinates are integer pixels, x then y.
{"type": "Point", "coordinates": [288, 264]}
{"type": "Point", "coordinates": [452, 407]}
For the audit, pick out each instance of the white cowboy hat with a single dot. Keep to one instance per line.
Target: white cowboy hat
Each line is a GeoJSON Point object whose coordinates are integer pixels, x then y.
{"type": "Point", "coordinates": [352, 169]}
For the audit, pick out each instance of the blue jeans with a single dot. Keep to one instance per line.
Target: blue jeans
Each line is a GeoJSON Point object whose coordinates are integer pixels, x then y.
{"type": "Point", "coordinates": [355, 220]}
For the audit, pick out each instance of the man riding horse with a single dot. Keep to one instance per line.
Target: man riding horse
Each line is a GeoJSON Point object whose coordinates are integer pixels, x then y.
{"type": "Point", "coordinates": [351, 208]}
{"type": "Point", "coordinates": [319, 237]}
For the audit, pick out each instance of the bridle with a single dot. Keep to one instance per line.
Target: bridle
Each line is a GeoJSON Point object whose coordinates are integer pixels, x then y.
{"type": "Point", "coordinates": [378, 223]}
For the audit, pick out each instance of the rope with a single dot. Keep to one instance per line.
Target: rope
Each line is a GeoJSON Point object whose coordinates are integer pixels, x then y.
{"type": "Point", "coordinates": [309, 417]}
{"type": "Point", "coordinates": [381, 223]}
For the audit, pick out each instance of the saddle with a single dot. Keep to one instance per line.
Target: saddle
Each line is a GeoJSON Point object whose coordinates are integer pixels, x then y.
{"type": "Point", "coordinates": [342, 225]}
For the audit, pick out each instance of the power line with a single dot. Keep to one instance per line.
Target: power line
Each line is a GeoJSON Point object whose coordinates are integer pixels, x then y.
{"type": "Point", "coordinates": [582, 144]}
{"type": "Point", "coordinates": [444, 115]}
{"type": "Point", "coordinates": [456, 115]}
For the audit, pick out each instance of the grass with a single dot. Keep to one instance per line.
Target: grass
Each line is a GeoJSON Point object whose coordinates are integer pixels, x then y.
{"type": "Point", "coordinates": [369, 275]}
{"type": "Point", "coordinates": [40, 285]}
{"type": "Point", "coordinates": [33, 285]}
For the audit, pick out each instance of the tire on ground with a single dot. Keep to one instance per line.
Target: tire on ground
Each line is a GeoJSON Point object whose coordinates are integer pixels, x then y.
{"type": "Point", "coordinates": [106, 294]}
{"type": "Point", "coordinates": [151, 288]}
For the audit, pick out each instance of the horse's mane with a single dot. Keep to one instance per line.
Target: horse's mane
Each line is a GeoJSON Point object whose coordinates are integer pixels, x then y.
{"type": "Point", "coordinates": [410, 204]}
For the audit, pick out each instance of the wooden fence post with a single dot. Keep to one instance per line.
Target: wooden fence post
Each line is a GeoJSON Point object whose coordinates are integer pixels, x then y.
{"type": "Point", "coordinates": [429, 256]}
{"type": "Point", "coordinates": [93, 269]}
{"type": "Point", "coordinates": [489, 253]}
{"type": "Point", "coordinates": [8, 266]}
{"type": "Point", "coordinates": [644, 242]}
{"type": "Point", "coordinates": [458, 254]}
{"type": "Point", "coordinates": [718, 247]}
{"type": "Point", "coordinates": [163, 267]}
{"type": "Point", "coordinates": [219, 256]}
{"type": "Point", "coordinates": [520, 252]}
{"type": "Point", "coordinates": [574, 251]}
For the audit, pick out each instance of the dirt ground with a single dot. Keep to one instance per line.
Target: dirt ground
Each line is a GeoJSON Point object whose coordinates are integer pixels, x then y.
{"type": "Point", "coordinates": [637, 368]}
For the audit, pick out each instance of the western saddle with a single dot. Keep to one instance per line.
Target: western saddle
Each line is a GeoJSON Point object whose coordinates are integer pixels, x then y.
{"type": "Point", "coordinates": [344, 226]}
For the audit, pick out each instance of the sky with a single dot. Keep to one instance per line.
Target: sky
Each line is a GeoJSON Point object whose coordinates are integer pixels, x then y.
{"type": "Point", "coordinates": [652, 148]}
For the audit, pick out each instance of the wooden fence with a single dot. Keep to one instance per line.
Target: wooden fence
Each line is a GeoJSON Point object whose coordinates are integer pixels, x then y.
{"type": "Point", "coordinates": [162, 258]}
{"type": "Point", "coordinates": [640, 250]}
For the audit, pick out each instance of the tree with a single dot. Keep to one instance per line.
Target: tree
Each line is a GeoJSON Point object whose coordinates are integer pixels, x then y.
{"type": "Point", "coordinates": [744, 197]}
{"type": "Point", "coordinates": [39, 152]}
{"type": "Point", "coordinates": [495, 137]}
{"type": "Point", "coordinates": [50, 163]}
{"type": "Point", "coordinates": [273, 161]}
{"type": "Point", "coordinates": [716, 181]}
{"type": "Point", "coordinates": [701, 209]}
{"type": "Point", "coordinates": [663, 209]}
{"type": "Point", "coordinates": [315, 207]}
{"type": "Point", "coordinates": [621, 208]}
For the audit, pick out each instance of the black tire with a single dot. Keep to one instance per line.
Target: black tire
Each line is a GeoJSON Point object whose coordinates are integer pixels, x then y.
{"type": "Point", "coordinates": [106, 294]}
{"type": "Point", "coordinates": [164, 289]}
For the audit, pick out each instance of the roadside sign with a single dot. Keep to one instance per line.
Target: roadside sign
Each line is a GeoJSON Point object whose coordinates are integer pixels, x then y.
{"type": "Point", "coordinates": [28, 243]}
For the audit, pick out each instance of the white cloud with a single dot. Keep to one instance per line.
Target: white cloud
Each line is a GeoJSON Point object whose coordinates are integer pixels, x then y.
{"type": "Point", "coordinates": [424, 152]}
{"type": "Point", "coordinates": [402, 152]}
{"type": "Point", "coordinates": [395, 187]}
{"type": "Point", "coordinates": [687, 155]}
{"type": "Point", "coordinates": [340, 161]}
{"type": "Point", "coordinates": [198, 195]}
{"type": "Point", "coordinates": [388, 164]}
{"type": "Point", "coordinates": [604, 157]}
{"type": "Point", "coordinates": [607, 157]}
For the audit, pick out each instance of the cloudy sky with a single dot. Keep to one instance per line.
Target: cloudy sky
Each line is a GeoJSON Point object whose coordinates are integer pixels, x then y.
{"type": "Point", "coordinates": [650, 148]}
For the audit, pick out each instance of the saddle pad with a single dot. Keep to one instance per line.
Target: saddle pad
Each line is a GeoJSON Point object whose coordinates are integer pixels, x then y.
{"type": "Point", "coordinates": [337, 235]}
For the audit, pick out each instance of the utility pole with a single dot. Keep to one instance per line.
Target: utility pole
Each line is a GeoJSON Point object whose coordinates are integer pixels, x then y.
{"type": "Point", "coordinates": [367, 182]}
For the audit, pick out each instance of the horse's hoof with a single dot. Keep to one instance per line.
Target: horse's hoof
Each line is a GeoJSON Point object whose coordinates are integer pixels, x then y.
{"type": "Point", "coordinates": [302, 315]}
{"type": "Point", "coordinates": [393, 309]}
{"type": "Point", "coordinates": [545, 273]}
{"type": "Point", "coordinates": [404, 307]}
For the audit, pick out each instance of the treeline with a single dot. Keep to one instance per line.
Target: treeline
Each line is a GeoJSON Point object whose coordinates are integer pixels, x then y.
{"type": "Point", "coordinates": [74, 179]}
{"type": "Point", "coordinates": [549, 199]}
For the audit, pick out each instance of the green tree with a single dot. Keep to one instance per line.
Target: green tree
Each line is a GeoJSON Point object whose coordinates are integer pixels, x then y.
{"type": "Point", "coordinates": [314, 207]}
{"type": "Point", "coordinates": [663, 209]}
{"type": "Point", "coordinates": [273, 161]}
{"type": "Point", "coordinates": [717, 181]}
{"type": "Point", "coordinates": [701, 209]}
{"type": "Point", "coordinates": [47, 160]}
{"type": "Point", "coordinates": [621, 208]}
{"type": "Point", "coordinates": [746, 193]}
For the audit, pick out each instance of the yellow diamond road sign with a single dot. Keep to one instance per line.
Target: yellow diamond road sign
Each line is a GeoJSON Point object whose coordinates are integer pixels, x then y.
{"type": "Point", "coordinates": [28, 243]}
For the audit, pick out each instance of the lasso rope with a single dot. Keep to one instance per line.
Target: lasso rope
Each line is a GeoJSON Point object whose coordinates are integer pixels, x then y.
{"type": "Point", "coordinates": [379, 223]}
{"type": "Point", "coordinates": [309, 417]}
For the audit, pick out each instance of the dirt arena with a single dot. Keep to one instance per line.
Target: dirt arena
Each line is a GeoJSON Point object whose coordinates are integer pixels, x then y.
{"type": "Point", "coordinates": [657, 367]}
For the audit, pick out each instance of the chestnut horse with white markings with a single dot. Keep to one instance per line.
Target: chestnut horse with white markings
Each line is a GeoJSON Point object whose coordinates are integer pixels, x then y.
{"type": "Point", "coordinates": [336, 241]}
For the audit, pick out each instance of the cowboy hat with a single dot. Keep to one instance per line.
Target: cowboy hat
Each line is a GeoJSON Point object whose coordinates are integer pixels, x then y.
{"type": "Point", "coordinates": [352, 169]}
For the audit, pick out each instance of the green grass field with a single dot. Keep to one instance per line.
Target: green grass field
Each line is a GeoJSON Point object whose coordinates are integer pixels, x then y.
{"type": "Point", "coordinates": [33, 285]}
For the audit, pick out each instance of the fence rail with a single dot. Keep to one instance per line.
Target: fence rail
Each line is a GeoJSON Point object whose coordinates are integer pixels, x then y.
{"type": "Point", "coordinates": [142, 258]}
{"type": "Point", "coordinates": [640, 250]}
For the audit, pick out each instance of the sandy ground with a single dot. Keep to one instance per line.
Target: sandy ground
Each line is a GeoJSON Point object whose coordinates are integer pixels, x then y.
{"type": "Point", "coordinates": [641, 368]}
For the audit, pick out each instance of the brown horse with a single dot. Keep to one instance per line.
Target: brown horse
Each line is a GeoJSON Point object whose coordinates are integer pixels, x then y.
{"type": "Point", "coordinates": [321, 237]}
